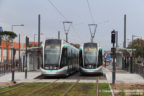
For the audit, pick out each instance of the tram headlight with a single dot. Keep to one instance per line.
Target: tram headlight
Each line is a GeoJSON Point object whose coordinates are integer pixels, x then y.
{"type": "Point", "coordinates": [56, 67]}
{"type": "Point", "coordinates": [46, 67]}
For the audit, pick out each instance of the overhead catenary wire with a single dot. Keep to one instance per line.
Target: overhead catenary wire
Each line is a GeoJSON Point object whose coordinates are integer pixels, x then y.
{"type": "Point", "coordinates": [60, 13]}
{"type": "Point", "coordinates": [90, 12]}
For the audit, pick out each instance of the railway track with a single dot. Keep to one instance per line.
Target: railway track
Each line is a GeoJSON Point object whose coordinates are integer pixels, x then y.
{"type": "Point", "coordinates": [43, 87]}
{"type": "Point", "coordinates": [17, 86]}
{"type": "Point", "coordinates": [21, 85]}
{"type": "Point", "coordinates": [97, 89]}
{"type": "Point", "coordinates": [69, 89]}
{"type": "Point", "coordinates": [48, 88]}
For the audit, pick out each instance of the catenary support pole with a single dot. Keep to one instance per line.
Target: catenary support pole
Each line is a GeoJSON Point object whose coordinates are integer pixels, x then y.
{"type": "Point", "coordinates": [26, 61]}
{"type": "Point", "coordinates": [39, 18]}
{"type": "Point", "coordinates": [58, 34]}
{"type": "Point", "coordinates": [20, 66]}
{"type": "Point", "coordinates": [124, 31]}
{"type": "Point", "coordinates": [13, 65]}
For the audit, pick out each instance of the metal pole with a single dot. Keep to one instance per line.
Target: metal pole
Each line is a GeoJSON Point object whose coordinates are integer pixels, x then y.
{"type": "Point", "coordinates": [26, 61]}
{"type": "Point", "coordinates": [116, 39]}
{"type": "Point", "coordinates": [124, 31]}
{"type": "Point", "coordinates": [114, 66]}
{"type": "Point", "coordinates": [19, 56]}
{"type": "Point", "coordinates": [38, 40]}
{"type": "Point", "coordinates": [13, 68]}
{"type": "Point", "coordinates": [131, 67]}
{"type": "Point", "coordinates": [34, 38]}
{"type": "Point", "coordinates": [66, 37]}
{"type": "Point", "coordinates": [13, 65]}
{"type": "Point", "coordinates": [91, 39]}
{"type": "Point", "coordinates": [11, 49]}
{"type": "Point", "coordinates": [12, 59]}
{"type": "Point", "coordinates": [58, 34]}
{"type": "Point", "coordinates": [141, 47]}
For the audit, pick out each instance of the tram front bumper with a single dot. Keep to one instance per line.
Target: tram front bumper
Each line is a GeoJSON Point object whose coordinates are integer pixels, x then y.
{"type": "Point", "coordinates": [91, 71]}
{"type": "Point", "coordinates": [59, 72]}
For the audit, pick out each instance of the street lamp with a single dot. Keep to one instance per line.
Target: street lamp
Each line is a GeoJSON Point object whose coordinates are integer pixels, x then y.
{"type": "Point", "coordinates": [12, 49]}
{"type": "Point", "coordinates": [36, 35]}
{"type": "Point", "coordinates": [17, 25]}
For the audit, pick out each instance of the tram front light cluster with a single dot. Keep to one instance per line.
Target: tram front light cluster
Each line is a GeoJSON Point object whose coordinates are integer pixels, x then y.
{"type": "Point", "coordinates": [46, 68]}
{"type": "Point", "coordinates": [52, 67]}
{"type": "Point", "coordinates": [56, 67]}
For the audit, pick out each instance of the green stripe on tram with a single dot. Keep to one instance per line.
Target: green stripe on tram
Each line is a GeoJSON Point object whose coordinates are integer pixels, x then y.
{"type": "Point", "coordinates": [65, 47]}
{"type": "Point", "coordinates": [100, 48]}
{"type": "Point", "coordinates": [90, 68]}
{"type": "Point", "coordinates": [51, 70]}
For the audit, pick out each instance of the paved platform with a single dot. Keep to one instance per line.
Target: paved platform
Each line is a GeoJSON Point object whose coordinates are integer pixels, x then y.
{"type": "Point", "coordinates": [19, 76]}
{"type": "Point", "coordinates": [123, 77]}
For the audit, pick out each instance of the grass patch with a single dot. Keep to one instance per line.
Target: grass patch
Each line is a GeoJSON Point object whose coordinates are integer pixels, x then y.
{"type": "Point", "coordinates": [122, 93]}
{"type": "Point", "coordinates": [58, 89]}
{"type": "Point", "coordinates": [10, 87]}
{"type": "Point", "coordinates": [22, 91]}
{"type": "Point", "coordinates": [104, 89]}
{"type": "Point", "coordinates": [134, 93]}
{"type": "Point", "coordinates": [83, 89]}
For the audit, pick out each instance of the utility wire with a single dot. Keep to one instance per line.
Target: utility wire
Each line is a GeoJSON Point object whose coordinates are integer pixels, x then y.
{"type": "Point", "coordinates": [90, 12]}
{"type": "Point", "coordinates": [57, 9]}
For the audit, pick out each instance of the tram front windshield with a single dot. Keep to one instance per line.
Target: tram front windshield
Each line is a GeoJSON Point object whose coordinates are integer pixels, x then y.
{"type": "Point", "coordinates": [52, 52]}
{"type": "Point", "coordinates": [90, 56]}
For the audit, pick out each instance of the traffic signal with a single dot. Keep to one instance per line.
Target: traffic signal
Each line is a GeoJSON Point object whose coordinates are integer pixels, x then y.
{"type": "Point", "coordinates": [27, 41]}
{"type": "Point", "coordinates": [113, 36]}
{"type": "Point", "coordinates": [14, 52]}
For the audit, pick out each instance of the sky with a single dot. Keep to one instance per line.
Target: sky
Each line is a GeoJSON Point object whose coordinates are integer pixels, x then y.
{"type": "Point", "coordinates": [108, 14]}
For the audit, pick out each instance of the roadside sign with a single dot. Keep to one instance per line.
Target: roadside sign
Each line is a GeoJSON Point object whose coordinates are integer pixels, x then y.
{"type": "Point", "coordinates": [108, 57]}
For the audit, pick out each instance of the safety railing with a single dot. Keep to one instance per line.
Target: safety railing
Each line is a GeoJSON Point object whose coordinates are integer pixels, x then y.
{"type": "Point", "coordinates": [139, 69]}
{"type": "Point", "coordinates": [5, 68]}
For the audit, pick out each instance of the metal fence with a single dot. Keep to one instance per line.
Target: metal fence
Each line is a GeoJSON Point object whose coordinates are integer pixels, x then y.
{"type": "Point", "coordinates": [139, 69]}
{"type": "Point", "coordinates": [5, 68]}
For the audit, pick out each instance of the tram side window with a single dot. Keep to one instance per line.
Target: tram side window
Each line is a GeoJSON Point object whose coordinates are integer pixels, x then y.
{"type": "Point", "coordinates": [69, 56]}
{"type": "Point", "coordinates": [100, 58]}
{"type": "Point", "coordinates": [80, 58]}
{"type": "Point", "coordinates": [64, 57]}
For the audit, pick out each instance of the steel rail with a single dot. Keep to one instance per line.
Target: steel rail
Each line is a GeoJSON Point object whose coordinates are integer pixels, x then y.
{"type": "Point", "coordinates": [70, 88]}
{"type": "Point", "coordinates": [35, 91]}
{"type": "Point", "coordinates": [21, 85]}
{"type": "Point", "coordinates": [97, 89]}
{"type": "Point", "coordinates": [12, 88]}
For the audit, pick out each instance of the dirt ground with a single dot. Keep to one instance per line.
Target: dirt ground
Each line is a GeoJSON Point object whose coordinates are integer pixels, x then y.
{"type": "Point", "coordinates": [4, 84]}
{"type": "Point", "coordinates": [127, 88]}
